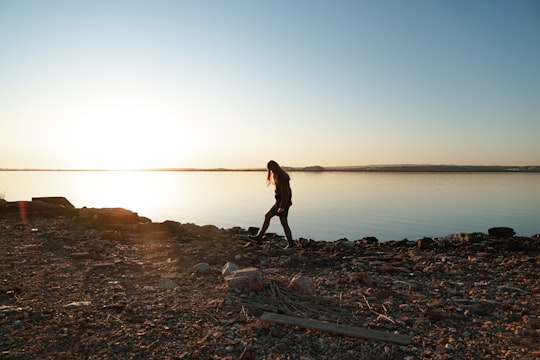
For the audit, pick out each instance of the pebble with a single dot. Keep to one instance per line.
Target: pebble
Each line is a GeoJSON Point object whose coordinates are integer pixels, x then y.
{"type": "Point", "coordinates": [167, 284]}
{"type": "Point", "coordinates": [77, 304]}
{"type": "Point", "coordinates": [202, 268]}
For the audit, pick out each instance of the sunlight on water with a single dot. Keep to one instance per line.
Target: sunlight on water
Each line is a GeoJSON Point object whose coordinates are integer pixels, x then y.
{"type": "Point", "coordinates": [133, 190]}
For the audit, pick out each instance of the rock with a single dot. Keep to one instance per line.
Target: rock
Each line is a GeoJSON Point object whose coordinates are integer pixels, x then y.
{"type": "Point", "coordinates": [245, 279]}
{"type": "Point", "coordinates": [345, 244]}
{"type": "Point", "coordinates": [228, 268]}
{"type": "Point", "coordinates": [501, 232]}
{"type": "Point", "coordinates": [77, 304]}
{"type": "Point", "coordinates": [55, 200]}
{"type": "Point", "coordinates": [253, 230]}
{"type": "Point", "coordinates": [303, 284]}
{"type": "Point", "coordinates": [167, 284]}
{"type": "Point", "coordinates": [40, 208]}
{"type": "Point", "coordinates": [202, 268]}
{"type": "Point", "coordinates": [426, 243]}
{"type": "Point", "coordinates": [109, 216]}
{"type": "Point", "coordinates": [463, 237]}
{"type": "Point", "coordinates": [368, 240]}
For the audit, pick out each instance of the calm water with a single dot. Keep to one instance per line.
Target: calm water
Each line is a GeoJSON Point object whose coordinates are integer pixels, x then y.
{"type": "Point", "coordinates": [327, 206]}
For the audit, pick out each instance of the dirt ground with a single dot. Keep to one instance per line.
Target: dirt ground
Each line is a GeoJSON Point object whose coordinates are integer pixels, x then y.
{"type": "Point", "coordinates": [103, 284]}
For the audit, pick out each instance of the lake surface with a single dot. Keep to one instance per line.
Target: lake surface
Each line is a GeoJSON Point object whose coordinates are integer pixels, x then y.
{"type": "Point", "coordinates": [326, 205]}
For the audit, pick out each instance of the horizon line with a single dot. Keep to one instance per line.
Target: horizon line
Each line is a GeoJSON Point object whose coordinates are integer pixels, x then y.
{"type": "Point", "coordinates": [319, 168]}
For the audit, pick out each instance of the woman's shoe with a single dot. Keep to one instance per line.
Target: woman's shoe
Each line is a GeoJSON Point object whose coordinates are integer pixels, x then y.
{"type": "Point", "coordinates": [290, 245]}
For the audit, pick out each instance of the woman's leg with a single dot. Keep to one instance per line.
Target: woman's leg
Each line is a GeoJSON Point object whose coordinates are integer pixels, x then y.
{"type": "Point", "coordinates": [287, 229]}
{"type": "Point", "coordinates": [266, 223]}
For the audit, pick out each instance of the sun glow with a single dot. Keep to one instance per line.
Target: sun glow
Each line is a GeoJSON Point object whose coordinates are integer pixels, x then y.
{"type": "Point", "coordinates": [127, 137]}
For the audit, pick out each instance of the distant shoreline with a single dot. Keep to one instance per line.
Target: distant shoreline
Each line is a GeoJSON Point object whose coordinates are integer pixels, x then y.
{"type": "Point", "coordinates": [370, 168]}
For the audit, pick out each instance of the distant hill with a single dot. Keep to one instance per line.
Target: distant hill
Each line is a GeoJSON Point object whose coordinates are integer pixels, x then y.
{"type": "Point", "coordinates": [421, 168]}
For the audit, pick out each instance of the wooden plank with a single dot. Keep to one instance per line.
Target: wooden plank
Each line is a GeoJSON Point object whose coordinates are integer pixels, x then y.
{"type": "Point", "coordinates": [337, 328]}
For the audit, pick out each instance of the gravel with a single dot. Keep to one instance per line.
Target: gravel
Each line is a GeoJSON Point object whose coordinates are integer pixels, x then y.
{"type": "Point", "coordinates": [74, 287]}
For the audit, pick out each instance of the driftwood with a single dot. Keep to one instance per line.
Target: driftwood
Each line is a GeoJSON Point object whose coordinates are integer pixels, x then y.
{"type": "Point", "coordinates": [280, 299]}
{"type": "Point", "coordinates": [337, 328]}
{"type": "Point", "coordinates": [284, 306]}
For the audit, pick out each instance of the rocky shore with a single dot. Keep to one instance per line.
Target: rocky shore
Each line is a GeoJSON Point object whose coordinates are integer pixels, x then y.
{"type": "Point", "coordinates": [110, 284]}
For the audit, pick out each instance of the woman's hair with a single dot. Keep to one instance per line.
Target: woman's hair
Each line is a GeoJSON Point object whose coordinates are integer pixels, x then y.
{"type": "Point", "coordinates": [275, 173]}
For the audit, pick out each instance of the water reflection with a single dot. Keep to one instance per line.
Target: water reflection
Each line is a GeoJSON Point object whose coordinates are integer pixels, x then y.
{"type": "Point", "coordinates": [325, 205]}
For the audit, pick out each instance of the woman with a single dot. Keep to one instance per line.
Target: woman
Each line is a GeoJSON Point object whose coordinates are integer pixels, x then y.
{"type": "Point", "coordinates": [283, 195]}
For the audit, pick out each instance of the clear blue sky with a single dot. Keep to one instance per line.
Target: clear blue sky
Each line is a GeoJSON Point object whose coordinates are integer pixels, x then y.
{"type": "Point", "coordinates": [122, 84]}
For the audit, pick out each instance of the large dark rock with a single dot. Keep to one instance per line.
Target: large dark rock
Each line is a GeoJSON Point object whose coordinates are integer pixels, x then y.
{"type": "Point", "coordinates": [55, 200]}
{"type": "Point", "coordinates": [501, 232]}
{"type": "Point", "coordinates": [108, 216]}
{"type": "Point", "coordinates": [27, 209]}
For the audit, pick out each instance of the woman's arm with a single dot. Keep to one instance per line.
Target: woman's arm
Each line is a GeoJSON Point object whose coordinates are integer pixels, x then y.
{"type": "Point", "coordinates": [285, 192]}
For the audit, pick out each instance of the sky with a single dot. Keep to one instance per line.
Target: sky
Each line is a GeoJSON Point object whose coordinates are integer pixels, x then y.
{"type": "Point", "coordinates": [233, 84]}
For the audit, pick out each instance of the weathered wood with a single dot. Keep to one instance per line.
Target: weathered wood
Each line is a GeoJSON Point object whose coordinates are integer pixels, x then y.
{"type": "Point", "coordinates": [337, 328]}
